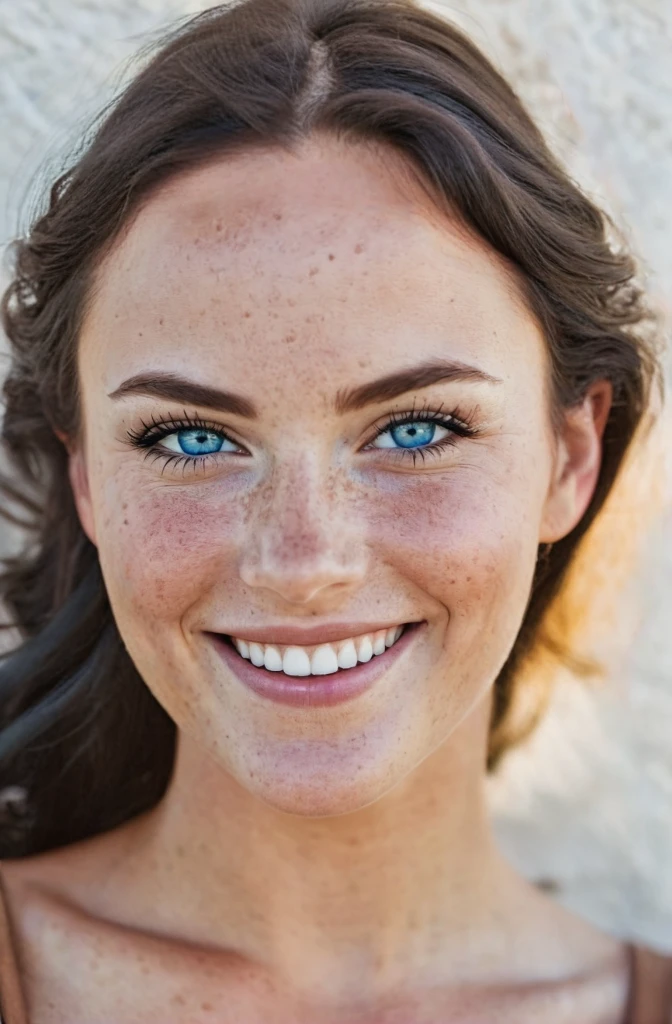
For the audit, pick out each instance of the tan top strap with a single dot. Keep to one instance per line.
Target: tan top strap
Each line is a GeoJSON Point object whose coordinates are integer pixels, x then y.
{"type": "Point", "coordinates": [651, 996]}
{"type": "Point", "coordinates": [12, 1003]}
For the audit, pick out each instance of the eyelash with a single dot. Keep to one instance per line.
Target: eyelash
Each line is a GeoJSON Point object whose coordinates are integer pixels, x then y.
{"type": "Point", "coordinates": [148, 435]}
{"type": "Point", "coordinates": [460, 426]}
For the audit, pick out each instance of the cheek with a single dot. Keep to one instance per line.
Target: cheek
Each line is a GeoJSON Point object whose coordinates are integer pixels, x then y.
{"type": "Point", "coordinates": [162, 548]}
{"type": "Point", "coordinates": [470, 542]}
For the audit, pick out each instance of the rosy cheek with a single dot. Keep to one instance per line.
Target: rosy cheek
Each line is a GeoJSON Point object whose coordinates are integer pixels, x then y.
{"type": "Point", "coordinates": [166, 549]}
{"type": "Point", "coordinates": [462, 539]}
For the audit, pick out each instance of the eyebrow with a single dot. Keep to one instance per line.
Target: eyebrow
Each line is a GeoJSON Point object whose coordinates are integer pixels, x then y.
{"type": "Point", "coordinates": [173, 387]}
{"type": "Point", "coordinates": [413, 379]}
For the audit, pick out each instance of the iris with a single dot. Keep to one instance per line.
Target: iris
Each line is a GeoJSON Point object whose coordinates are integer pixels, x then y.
{"type": "Point", "coordinates": [199, 442]}
{"type": "Point", "coordinates": [413, 435]}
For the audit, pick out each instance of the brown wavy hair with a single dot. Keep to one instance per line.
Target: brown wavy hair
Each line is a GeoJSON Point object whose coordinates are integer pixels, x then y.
{"type": "Point", "coordinates": [83, 744]}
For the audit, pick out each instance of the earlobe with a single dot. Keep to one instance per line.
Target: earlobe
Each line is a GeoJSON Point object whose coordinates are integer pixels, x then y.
{"type": "Point", "coordinates": [577, 464]}
{"type": "Point", "coordinates": [79, 481]}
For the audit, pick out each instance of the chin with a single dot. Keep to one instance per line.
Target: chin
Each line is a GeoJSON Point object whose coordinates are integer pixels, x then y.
{"type": "Point", "coordinates": [318, 795]}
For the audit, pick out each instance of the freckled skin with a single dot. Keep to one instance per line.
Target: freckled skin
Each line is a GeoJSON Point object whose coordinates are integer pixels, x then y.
{"type": "Point", "coordinates": [308, 526]}
{"type": "Point", "coordinates": [340, 850]}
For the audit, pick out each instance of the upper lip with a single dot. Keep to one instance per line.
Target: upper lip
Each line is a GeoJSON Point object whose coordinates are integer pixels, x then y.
{"type": "Point", "coordinates": [308, 636]}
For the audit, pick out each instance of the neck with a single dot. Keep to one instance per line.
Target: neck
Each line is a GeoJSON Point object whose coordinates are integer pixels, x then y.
{"type": "Point", "coordinates": [344, 903]}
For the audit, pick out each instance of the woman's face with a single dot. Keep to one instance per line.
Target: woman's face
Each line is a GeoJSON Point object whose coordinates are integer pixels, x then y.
{"type": "Point", "coordinates": [315, 410]}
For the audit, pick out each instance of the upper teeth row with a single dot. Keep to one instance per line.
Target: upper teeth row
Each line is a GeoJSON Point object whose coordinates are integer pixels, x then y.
{"type": "Point", "coordinates": [318, 661]}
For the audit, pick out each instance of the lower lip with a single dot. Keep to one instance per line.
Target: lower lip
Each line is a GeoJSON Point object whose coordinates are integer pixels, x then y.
{"type": "Point", "coordinates": [313, 691]}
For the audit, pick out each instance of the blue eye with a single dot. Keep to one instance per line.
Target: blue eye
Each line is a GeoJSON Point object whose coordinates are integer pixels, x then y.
{"type": "Point", "coordinates": [411, 434]}
{"type": "Point", "coordinates": [198, 441]}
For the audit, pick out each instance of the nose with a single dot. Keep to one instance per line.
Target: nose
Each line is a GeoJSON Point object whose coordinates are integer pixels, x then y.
{"type": "Point", "coordinates": [303, 541]}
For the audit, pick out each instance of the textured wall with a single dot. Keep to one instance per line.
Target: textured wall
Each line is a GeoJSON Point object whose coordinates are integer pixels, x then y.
{"type": "Point", "coordinates": [587, 804]}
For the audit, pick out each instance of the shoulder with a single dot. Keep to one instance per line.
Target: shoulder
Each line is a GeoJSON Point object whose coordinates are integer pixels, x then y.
{"type": "Point", "coordinates": [44, 898]}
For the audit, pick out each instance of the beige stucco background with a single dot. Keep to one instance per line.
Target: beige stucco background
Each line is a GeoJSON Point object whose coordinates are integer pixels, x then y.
{"type": "Point", "coordinates": [587, 804]}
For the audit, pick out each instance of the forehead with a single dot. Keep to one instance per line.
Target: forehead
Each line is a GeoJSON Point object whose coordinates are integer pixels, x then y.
{"type": "Point", "coordinates": [336, 246]}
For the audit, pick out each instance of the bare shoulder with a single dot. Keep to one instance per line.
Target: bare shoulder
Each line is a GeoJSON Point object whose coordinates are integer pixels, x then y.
{"type": "Point", "coordinates": [78, 963]}
{"type": "Point", "coordinates": [59, 924]}
{"type": "Point", "coordinates": [51, 900]}
{"type": "Point", "coordinates": [618, 983]}
{"type": "Point", "coordinates": [81, 882]}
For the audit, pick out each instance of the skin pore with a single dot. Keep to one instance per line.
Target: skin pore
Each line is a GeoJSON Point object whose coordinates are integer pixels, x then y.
{"type": "Point", "coordinates": [315, 864]}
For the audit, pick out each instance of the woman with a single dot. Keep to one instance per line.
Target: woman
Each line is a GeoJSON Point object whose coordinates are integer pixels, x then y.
{"type": "Point", "coordinates": [321, 369]}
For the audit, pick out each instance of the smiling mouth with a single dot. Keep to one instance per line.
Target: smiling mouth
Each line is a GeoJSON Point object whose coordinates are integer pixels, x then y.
{"type": "Point", "coordinates": [318, 659]}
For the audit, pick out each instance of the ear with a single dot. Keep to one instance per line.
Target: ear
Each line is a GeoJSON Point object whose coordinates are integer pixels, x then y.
{"type": "Point", "coordinates": [577, 463]}
{"type": "Point", "coordinates": [79, 481]}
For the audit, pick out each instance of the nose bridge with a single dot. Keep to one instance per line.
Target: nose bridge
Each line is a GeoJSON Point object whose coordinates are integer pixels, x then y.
{"type": "Point", "coordinates": [297, 527]}
{"type": "Point", "coordinates": [303, 538]}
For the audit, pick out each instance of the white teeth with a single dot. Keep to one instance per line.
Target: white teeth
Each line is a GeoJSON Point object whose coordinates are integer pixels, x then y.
{"type": "Point", "coordinates": [379, 643]}
{"type": "Point", "coordinates": [365, 649]}
{"type": "Point", "coordinates": [242, 648]}
{"type": "Point", "coordinates": [272, 659]}
{"type": "Point", "coordinates": [347, 655]}
{"type": "Point", "coordinates": [324, 661]}
{"type": "Point", "coordinates": [257, 655]}
{"type": "Point", "coordinates": [296, 662]}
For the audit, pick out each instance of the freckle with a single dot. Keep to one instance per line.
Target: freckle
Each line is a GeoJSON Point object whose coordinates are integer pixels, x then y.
{"type": "Point", "coordinates": [125, 522]}
{"type": "Point", "coordinates": [313, 271]}
{"type": "Point", "coordinates": [331, 256]}
{"type": "Point", "coordinates": [277, 216]}
{"type": "Point", "coordinates": [247, 313]}
{"type": "Point", "coordinates": [207, 1007]}
{"type": "Point", "coordinates": [218, 225]}
{"type": "Point", "coordinates": [160, 321]}
{"type": "Point", "coordinates": [178, 999]}
{"type": "Point", "coordinates": [289, 338]}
